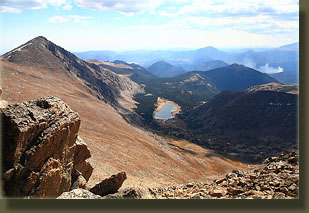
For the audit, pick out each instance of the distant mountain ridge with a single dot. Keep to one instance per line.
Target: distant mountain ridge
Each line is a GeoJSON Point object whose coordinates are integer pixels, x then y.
{"type": "Point", "coordinates": [267, 60]}
{"type": "Point", "coordinates": [237, 77]}
{"type": "Point", "coordinates": [165, 70]}
{"type": "Point", "coordinates": [209, 65]}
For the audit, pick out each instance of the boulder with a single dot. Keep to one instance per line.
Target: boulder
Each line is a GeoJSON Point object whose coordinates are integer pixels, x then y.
{"type": "Point", "coordinates": [78, 194]}
{"type": "Point", "coordinates": [217, 193]}
{"type": "Point", "coordinates": [131, 193]}
{"type": "Point", "coordinates": [39, 147]}
{"type": "Point", "coordinates": [109, 185]}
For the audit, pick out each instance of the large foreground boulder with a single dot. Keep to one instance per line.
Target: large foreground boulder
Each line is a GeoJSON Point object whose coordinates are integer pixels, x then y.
{"type": "Point", "coordinates": [39, 148]}
{"type": "Point", "coordinates": [109, 185]}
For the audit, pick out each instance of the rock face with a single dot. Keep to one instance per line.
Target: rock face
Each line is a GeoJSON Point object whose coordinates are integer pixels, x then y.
{"type": "Point", "coordinates": [109, 185]}
{"type": "Point", "coordinates": [39, 148]}
{"type": "Point", "coordinates": [276, 179]}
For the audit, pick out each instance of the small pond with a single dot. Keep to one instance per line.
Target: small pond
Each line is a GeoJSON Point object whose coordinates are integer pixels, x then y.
{"type": "Point", "coordinates": [165, 112]}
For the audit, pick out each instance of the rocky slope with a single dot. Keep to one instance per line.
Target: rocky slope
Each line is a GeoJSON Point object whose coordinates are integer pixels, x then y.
{"type": "Point", "coordinates": [277, 178]}
{"type": "Point", "coordinates": [40, 152]}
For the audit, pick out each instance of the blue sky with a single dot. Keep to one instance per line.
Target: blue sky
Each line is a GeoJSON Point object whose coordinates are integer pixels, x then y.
{"type": "Point", "coordinates": [80, 25]}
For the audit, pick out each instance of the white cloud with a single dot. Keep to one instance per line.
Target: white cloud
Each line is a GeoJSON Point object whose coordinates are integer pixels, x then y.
{"type": "Point", "coordinates": [67, 7]}
{"type": "Point", "coordinates": [58, 19]}
{"type": "Point", "coordinates": [125, 6]}
{"type": "Point", "coordinates": [223, 8]}
{"type": "Point", "coordinates": [56, 3]}
{"type": "Point", "coordinates": [5, 9]}
{"type": "Point", "coordinates": [19, 5]}
{"type": "Point", "coordinates": [168, 14]}
{"type": "Point", "coordinates": [270, 70]}
{"type": "Point", "coordinates": [70, 18]}
{"type": "Point", "coordinates": [16, 6]}
{"type": "Point", "coordinates": [265, 69]}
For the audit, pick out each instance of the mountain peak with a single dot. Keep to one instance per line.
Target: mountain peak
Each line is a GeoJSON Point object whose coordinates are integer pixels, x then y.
{"type": "Point", "coordinates": [27, 48]}
{"type": "Point", "coordinates": [39, 52]}
{"type": "Point", "coordinates": [165, 70]}
{"type": "Point", "coordinates": [236, 65]}
{"type": "Point", "coordinates": [39, 39]}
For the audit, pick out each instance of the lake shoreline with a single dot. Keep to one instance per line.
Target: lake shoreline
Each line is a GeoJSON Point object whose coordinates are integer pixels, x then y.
{"type": "Point", "coordinates": [162, 102]}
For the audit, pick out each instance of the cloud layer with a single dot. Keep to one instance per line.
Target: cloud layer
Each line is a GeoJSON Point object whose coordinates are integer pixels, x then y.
{"type": "Point", "coordinates": [69, 18]}
{"type": "Point", "coordinates": [16, 6]}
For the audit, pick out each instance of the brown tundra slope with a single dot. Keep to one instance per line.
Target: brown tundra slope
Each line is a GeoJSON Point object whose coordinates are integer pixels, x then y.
{"type": "Point", "coordinates": [40, 68]}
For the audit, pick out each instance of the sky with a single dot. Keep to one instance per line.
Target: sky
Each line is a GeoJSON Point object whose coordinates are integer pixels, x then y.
{"type": "Point", "coordinates": [82, 25]}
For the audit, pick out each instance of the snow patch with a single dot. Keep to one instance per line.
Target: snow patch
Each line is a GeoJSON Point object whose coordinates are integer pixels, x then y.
{"type": "Point", "coordinates": [19, 48]}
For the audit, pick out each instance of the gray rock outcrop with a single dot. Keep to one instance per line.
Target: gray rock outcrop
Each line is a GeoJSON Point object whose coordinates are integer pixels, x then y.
{"type": "Point", "coordinates": [40, 150]}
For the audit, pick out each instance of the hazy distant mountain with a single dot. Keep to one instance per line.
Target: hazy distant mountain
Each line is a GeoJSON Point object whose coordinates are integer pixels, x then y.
{"type": "Point", "coordinates": [289, 47]}
{"type": "Point", "coordinates": [237, 77]}
{"type": "Point", "coordinates": [148, 57]}
{"type": "Point", "coordinates": [281, 62]}
{"type": "Point", "coordinates": [208, 65]}
{"type": "Point", "coordinates": [165, 70]}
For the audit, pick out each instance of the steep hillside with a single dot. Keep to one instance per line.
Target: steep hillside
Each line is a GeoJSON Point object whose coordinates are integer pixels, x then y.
{"type": "Point", "coordinates": [43, 54]}
{"type": "Point", "coordinates": [165, 70]}
{"type": "Point", "coordinates": [237, 77]}
{"type": "Point", "coordinates": [149, 160]}
{"type": "Point", "coordinates": [254, 125]}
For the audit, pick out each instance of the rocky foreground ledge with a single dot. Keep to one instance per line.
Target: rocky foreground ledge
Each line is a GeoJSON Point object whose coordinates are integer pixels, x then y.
{"type": "Point", "coordinates": [277, 178]}
{"type": "Point", "coordinates": [42, 154]}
